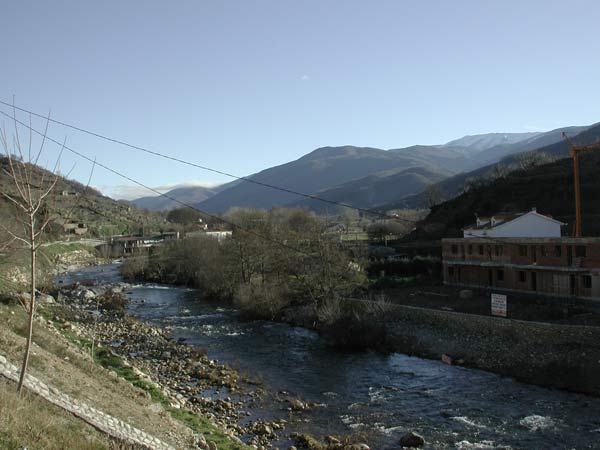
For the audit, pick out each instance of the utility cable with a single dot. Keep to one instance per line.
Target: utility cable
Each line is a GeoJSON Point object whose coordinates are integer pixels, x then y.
{"type": "Point", "coordinates": [128, 178]}
{"type": "Point", "coordinates": [209, 169]}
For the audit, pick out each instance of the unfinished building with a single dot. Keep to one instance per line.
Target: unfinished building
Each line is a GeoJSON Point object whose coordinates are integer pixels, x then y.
{"type": "Point", "coordinates": [561, 267]}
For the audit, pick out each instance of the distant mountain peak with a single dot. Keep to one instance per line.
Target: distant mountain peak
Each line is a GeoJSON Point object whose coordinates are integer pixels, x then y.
{"type": "Point", "coordinates": [479, 142]}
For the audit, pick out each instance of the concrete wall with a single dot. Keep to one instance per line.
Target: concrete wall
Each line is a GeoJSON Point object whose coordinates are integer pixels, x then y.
{"type": "Point", "coordinates": [563, 356]}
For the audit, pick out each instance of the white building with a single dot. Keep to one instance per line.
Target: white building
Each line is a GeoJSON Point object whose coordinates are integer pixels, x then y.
{"type": "Point", "coordinates": [530, 224]}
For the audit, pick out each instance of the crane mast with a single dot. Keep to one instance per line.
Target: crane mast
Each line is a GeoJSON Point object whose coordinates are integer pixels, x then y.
{"type": "Point", "coordinates": [575, 153]}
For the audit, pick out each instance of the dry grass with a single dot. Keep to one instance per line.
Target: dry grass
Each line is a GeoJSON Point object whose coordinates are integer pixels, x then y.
{"type": "Point", "coordinates": [61, 364]}
{"type": "Point", "coordinates": [31, 422]}
{"type": "Point", "coordinates": [58, 359]}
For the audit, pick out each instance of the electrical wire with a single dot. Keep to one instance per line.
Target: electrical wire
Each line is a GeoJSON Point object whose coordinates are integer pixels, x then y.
{"type": "Point", "coordinates": [209, 169]}
{"type": "Point", "coordinates": [184, 204]}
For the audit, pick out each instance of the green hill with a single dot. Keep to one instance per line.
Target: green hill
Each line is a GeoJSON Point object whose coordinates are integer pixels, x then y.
{"type": "Point", "coordinates": [72, 202]}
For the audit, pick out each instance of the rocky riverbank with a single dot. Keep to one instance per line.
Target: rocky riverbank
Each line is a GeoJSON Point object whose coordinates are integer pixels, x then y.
{"type": "Point", "coordinates": [182, 375]}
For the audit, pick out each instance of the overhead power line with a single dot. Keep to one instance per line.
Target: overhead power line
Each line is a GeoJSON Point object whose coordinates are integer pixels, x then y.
{"type": "Point", "coordinates": [128, 178]}
{"type": "Point", "coordinates": [210, 169]}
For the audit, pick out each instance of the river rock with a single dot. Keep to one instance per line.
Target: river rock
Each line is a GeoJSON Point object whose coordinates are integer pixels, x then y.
{"type": "Point", "coordinates": [332, 440]}
{"type": "Point", "coordinates": [45, 299]}
{"type": "Point", "coordinates": [412, 440]}
{"type": "Point", "coordinates": [297, 404]}
{"type": "Point", "coordinates": [87, 294]}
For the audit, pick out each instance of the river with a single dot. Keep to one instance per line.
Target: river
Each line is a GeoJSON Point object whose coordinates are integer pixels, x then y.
{"type": "Point", "coordinates": [378, 396]}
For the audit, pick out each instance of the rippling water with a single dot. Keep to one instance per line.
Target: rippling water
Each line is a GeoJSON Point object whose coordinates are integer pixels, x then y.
{"type": "Point", "coordinates": [382, 396]}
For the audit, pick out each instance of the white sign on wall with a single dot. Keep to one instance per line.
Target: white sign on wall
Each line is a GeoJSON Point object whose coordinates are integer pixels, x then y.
{"type": "Point", "coordinates": [499, 305]}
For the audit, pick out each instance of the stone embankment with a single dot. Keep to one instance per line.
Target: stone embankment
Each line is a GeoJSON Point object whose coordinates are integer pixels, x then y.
{"type": "Point", "coordinates": [107, 424]}
{"type": "Point", "coordinates": [182, 374]}
{"type": "Point", "coordinates": [554, 355]}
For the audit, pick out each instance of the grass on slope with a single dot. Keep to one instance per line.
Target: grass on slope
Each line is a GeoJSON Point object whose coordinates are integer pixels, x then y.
{"type": "Point", "coordinates": [62, 359]}
{"type": "Point", "coordinates": [32, 422]}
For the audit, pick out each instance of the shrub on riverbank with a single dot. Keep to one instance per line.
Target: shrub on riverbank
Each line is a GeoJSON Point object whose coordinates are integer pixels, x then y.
{"type": "Point", "coordinates": [357, 324]}
{"type": "Point", "coordinates": [273, 259]}
{"type": "Point", "coordinates": [263, 301]}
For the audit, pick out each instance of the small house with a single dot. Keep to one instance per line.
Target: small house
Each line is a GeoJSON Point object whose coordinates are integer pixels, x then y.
{"type": "Point", "coordinates": [529, 224]}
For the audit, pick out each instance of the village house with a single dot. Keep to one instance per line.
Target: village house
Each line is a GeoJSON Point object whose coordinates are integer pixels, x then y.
{"type": "Point", "coordinates": [523, 253]}
{"type": "Point", "coordinates": [529, 224]}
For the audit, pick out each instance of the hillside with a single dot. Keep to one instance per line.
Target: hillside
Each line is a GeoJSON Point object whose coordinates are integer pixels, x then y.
{"type": "Point", "coordinates": [326, 171]}
{"type": "Point", "coordinates": [536, 141]}
{"type": "Point", "coordinates": [374, 190]}
{"type": "Point", "coordinates": [548, 187]}
{"type": "Point", "coordinates": [322, 169]}
{"type": "Point", "coordinates": [107, 382]}
{"type": "Point", "coordinates": [479, 142]}
{"type": "Point", "coordinates": [71, 201]}
{"type": "Point", "coordinates": [550, 144]}
{"type": "Point", "coordinates": [188, 194]}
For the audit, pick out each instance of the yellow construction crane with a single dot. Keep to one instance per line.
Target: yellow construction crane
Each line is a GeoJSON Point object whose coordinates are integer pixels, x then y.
{"type": "Point", "coordinates": [575, 152]}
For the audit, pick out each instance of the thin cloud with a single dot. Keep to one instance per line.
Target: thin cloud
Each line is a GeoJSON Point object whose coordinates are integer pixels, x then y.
{"type": "Point", "coordinates": [132, 191]}
{"type": "Point", "coordinates": [305, 78]}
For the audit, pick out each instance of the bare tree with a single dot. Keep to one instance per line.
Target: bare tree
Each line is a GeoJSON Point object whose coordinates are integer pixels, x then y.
{"type": "Point", "coordinates": [27, 191]}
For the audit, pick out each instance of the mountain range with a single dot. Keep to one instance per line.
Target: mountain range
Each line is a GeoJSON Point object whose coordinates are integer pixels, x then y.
{"type": "Point", "coordinates": [550, 144]}
{"type": "Point", "coordinates": [366, 177]}
{"type": "Point", "coordinates": [186, 194]}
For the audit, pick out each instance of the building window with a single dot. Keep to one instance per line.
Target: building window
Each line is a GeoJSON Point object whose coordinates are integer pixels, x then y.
{"type": "Point", "coordinates": [500, 275]}
{"type": "Point", "coordinates": [543, 250]}
{"type": "Point", "coordinates": [557, 251]}
{"type": "Point", "coordinates": [481, 249]}
{"type": "Point", "coordinates": [522, 276]}
{"type": "Point", "coordinates": [450, 271]}
{"type": "Point", "coordinates": [470, 249]}
{"type": "Point", "coordinates": [522, 250]}
{"type": "Point", "coordinates": [587, 281]}
{"type": "Point", "coordinates": [454, 249]}
{"type": "Point", "coordinates": [580, 251]}
{"type": "Point", "coordinates": [499, 250]}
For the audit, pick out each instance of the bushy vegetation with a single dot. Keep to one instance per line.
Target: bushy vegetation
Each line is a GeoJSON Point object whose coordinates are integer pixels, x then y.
{"type": "Point", "coordinates": [273, 260]}
{"type": "Point", "coordinates": [357, 324]}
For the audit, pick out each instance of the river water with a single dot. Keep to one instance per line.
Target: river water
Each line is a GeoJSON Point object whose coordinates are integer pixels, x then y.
{"type": "Point", "coordinates": [378, 396]}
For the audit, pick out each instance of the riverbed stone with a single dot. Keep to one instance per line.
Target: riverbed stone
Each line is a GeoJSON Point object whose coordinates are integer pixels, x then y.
{"type": "Point", "coordinates": [412, 439]}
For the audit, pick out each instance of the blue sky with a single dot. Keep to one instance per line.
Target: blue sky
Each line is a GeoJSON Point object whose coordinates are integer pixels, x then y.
{"type": "Point", "coordinates": [244, 85]}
